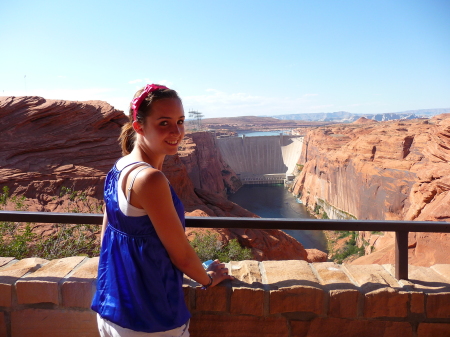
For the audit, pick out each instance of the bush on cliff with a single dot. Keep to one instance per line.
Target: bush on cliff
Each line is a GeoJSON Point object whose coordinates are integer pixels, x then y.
{"type": "Point", "coordinates": [20, 241]}
{"type": "Point", "coordinates": [350, 248]}
{"type": "Point", "coordinates": [209, 247]}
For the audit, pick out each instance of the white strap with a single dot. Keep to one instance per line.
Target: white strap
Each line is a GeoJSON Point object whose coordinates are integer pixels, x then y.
{"type": "Point", "coordinates": [134, 178]}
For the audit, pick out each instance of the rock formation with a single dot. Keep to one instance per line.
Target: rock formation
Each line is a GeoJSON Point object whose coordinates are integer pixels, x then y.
{"type": "Point", "coordinates": [48, 144]}
{"type": "Point", "coordinates": [397, 170]}
{"type": "Point", "coordinates": [364, 120]}
{"type": "Point", "coordinates": [52, 149]}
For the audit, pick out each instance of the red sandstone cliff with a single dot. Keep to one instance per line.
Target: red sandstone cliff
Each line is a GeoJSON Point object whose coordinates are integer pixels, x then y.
{"type": "Point", "coordinates": [396, 170]}
{"type": "Point", "coordinates": [47, 144]}
{"type": "Point", "coordinates": [51, 144]}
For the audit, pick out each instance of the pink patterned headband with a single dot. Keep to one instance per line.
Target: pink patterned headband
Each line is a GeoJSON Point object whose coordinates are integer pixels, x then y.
{"type": "Point", "coordinates": [136, 103]}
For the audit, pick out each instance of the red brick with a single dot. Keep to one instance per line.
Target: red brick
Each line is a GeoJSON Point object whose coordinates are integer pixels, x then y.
{"type": "Point", "coordinates": [79, 288]}
{"type": "Point", "coordinates": [187, 297]}
{"type": "Point", "coordinates": [237, 326]}
{"type": "Point", "coordinates": [337, 327]}
{"type": "Point", "coordinates": [433, 330]}
{"type": "Point", "coordinates": [42, 285]}
{"type": "Point", "coordinates": [54, 323]}
{"type": "Point", "coordinates": [211, 299]}
{"type": "Point", "coordinates": [300, 328]}
{"type": "Point", "coordinates": [438, 305]}
{"type": "Point", "coordinates": [296, 299]}
{"type": "Point", "coordinates": [11, 273]}
{"type": "Point", "coordinates": [343, 303]}
{"type": "Point", "coordinates": [417, 302]}
{"type": "Point", "coordinates": [2, 325]}
{"type": "Point", "coordinates": [386, 302]}
{"type": "Point", "coordinates": [247, 301]}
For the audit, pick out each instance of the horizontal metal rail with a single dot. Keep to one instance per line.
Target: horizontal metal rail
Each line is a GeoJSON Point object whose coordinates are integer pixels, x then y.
{"type": "Point", "coordinates": [401, 228]}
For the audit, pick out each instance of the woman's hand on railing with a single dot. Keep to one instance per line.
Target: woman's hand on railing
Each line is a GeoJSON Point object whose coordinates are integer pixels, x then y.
{"type": "Point", "coordinates": [218, 272]}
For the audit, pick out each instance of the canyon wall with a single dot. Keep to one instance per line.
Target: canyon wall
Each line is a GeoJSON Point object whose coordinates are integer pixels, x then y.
{"type": "Point", "coordinates": [48, 144]}
{"type": "Point", "coordinates": [52, 149]}
{"type": "Point", "coordinates": [397, 170]}
{"type": "Point", "coordinates": [261, 155]}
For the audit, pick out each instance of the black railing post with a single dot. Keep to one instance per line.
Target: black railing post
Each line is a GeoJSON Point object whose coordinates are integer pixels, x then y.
{"type": "Point", "coordinates": [401, 255]}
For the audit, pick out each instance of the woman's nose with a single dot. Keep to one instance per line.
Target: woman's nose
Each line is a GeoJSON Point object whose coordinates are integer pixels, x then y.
{"type": "Point", "coordinates": [176, 129]}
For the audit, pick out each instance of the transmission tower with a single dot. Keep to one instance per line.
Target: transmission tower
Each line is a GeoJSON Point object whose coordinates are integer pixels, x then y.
{"type": "Point", "coordinates": [197, 117]}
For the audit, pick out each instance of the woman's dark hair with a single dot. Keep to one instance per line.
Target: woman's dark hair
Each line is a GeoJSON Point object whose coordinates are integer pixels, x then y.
{"type": "Point", "coordinates": [127, 136]}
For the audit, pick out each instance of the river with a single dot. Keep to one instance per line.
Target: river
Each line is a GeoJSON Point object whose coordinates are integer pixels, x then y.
{"type": "Point", "coordinates": [275, 201]}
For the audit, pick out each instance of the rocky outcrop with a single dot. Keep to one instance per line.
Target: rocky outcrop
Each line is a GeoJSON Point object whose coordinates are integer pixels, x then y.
{"type": "Point", "coordinates": [57, 153]}
{"type": "Point", "coordinates": [396, 170]}
{"type": "Point", "coordinates": [205, 165]}
{"type": "Point", "coordinates": [48, 144]}
{"type": "Point", "coordinates": [364, 120]}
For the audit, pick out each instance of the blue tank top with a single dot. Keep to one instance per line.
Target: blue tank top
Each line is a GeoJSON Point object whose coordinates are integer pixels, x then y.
{"type": "Point", "coordinates": [138, 287]}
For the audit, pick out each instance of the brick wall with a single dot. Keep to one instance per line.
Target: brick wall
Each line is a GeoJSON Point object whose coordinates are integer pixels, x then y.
{"type": "Point", "coordinates": [269, 298]}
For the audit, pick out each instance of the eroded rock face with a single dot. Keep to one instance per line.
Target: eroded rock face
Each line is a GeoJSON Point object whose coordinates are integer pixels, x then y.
{"type": "Point", "coordinates": [52, 148]}
{"type": "Point", "coordinates": [396, 170]}
{"type": "Point", "coordinates": [48, 144]}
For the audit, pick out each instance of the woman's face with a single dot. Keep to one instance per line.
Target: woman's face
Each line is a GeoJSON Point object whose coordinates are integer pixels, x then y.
{"type": "Point", "coordinates": [164, 127]}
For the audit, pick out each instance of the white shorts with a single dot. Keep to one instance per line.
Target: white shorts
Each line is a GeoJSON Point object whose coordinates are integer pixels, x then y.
{"type": "Point", "coordinates": [110, 329]}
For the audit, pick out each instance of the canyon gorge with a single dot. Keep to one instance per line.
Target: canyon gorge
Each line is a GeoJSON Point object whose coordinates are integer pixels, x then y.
{"type": "Point", "coordinates": [51, 146]}
{"type": "Point", "coordinates": [396, 170]}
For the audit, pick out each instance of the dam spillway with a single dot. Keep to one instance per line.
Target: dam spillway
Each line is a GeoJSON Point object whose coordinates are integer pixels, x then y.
{"type": "Point", "coordinates": [261, 155]}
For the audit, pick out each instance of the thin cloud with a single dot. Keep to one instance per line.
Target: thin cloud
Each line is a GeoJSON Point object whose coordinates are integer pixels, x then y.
{"type": "Point", "coordinates": [218, 103]}
{"type": "Point", "coordinates": [167, 83]}
{"type": "Point", "coordinates": [135, 81]}
{"type": "Point", "coordinates": [319, 107]}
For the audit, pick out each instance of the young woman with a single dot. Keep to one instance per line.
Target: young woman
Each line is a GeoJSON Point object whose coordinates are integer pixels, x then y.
{"type": "Point", "coordinates": [144, 249]}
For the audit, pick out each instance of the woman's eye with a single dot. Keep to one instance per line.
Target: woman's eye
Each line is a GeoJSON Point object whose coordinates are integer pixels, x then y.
{"type": "Point", "coordinates": [181, 121]}
{"type": "Point", "coordinates": [163, 123]}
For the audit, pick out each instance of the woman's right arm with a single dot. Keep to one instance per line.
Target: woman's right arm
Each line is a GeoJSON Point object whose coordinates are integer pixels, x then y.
{"type": "Point", "coordinates": [104, 225]}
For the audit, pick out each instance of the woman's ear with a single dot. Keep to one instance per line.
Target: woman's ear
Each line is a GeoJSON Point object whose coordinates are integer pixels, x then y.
{"type": "Point", "coordinates": [138, 127]}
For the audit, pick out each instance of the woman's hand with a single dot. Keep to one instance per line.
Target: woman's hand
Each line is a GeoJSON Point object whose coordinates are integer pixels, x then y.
{"type": "Point", "coordinates": [218, 272]}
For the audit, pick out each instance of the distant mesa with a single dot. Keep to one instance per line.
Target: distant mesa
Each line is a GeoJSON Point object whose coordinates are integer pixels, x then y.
{"type": "Point", "coordinates": [364, 120]}
{"type": "Point", "coordinates": [347, 117]}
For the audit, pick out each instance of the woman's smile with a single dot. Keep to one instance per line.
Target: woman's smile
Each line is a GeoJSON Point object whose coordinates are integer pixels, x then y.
{"type": "Point", "coordinates": [172, 142]}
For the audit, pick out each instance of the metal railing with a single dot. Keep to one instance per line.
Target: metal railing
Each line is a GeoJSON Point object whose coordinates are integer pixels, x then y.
{"type": "Point", "coordinates": [401, 228]}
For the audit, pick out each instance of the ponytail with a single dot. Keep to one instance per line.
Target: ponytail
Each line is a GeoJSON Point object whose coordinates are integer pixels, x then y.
{"type": "Point", "coordinates": [127, 138]}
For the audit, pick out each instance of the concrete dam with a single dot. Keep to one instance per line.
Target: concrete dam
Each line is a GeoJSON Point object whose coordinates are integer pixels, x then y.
{"type": "Point", "coordinates": [262, 156]}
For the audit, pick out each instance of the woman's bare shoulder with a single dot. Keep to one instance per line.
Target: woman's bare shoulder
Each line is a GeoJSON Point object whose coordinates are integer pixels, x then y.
{"type": "Point", "coordinates": [153, 177]}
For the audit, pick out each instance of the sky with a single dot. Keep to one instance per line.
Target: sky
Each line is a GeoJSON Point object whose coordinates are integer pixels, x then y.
{"type": "Point", "coordinates": [232, 58]}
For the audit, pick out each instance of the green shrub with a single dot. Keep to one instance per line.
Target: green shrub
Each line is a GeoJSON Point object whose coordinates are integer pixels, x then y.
{"type": "Point", "coordinates": [69, 240]}
{"type": "Point", "coordinates": [15, 239]}
{"type": "Point", "coordinates": [343, 234]}
{"type": "Point", "coordinates": [349, 249]}
{"type": "Point", "coordinates": [4, 196]}
{"type": "Point", "coordinates": [208, 247]}
{"type": "Point", "coordinates": [18, 240]}
{"type": "Point", "coordinates": [317, 208]}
